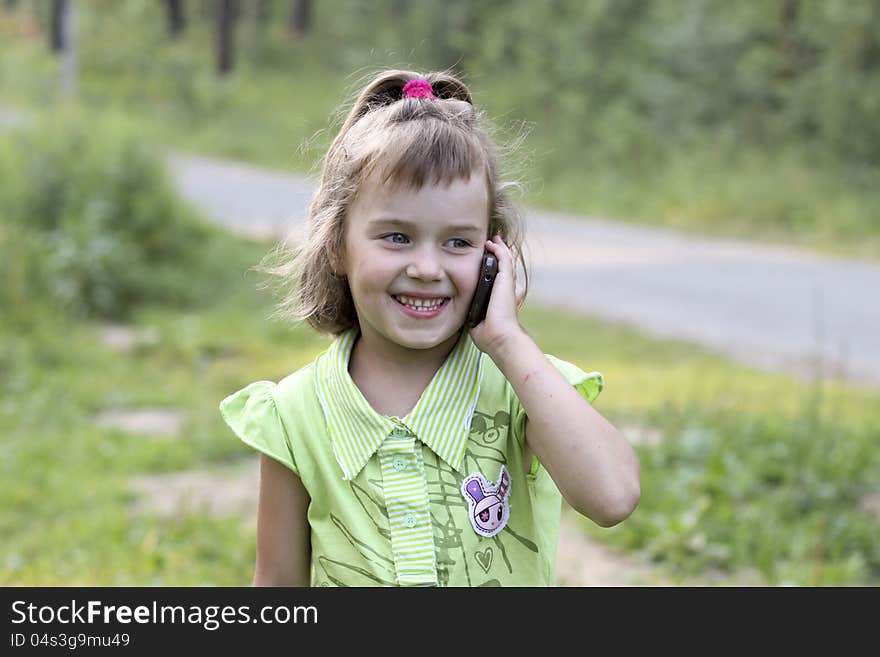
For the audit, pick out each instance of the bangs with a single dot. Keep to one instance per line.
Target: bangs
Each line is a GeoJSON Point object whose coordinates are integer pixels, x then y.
{"type": "Point", "coordinates": [425, 152]}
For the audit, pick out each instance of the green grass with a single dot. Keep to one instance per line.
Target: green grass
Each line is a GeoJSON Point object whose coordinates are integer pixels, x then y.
{"type": "Point", "coordinates": [773, 196]}
{"type": "Point", "coordinates": [66, 504]}
{"type": "Point", "coordinates": [756, 474]}
{"type": "Point", "coordinates": [750, 473]}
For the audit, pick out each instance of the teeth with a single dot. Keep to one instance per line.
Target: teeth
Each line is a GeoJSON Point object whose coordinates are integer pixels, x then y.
{"type": "Point", "coordinates": [420, 304]}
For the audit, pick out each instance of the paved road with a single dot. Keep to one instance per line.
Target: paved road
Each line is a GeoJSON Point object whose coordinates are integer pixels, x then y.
{"type": "Point", "coordinates": [771, 307]}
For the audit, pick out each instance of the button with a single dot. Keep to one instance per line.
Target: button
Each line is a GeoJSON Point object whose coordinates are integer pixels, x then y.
{"type": "Point", "coordinates": [400, 432]}
{"type": "Point", "coordinates": [410, 520]}
{"type": "Point", "coordinates": [399, 463]}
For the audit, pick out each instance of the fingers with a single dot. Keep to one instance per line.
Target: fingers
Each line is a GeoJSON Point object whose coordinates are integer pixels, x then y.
{"type": "Point", "coordinates": [501, 316]}
{"type": "Point", "coordinates": [506, 263]}
{"type": "Point", "coordinates": [505, 258]}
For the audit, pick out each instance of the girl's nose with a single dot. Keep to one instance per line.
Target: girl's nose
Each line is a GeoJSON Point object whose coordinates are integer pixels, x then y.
{"type": "Point", "coordinates": [425, 266]}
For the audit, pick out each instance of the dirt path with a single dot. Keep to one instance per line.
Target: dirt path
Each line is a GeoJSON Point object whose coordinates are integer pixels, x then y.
{"type": "Point", "coordinates": [581, 561]}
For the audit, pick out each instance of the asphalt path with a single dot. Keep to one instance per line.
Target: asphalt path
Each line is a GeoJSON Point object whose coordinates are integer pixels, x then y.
{"type": "Point", "coordinates": [775, 308]}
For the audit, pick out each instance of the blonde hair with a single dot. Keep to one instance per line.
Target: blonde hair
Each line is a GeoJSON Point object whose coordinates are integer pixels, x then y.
{"type": "Point", "coordinates": [409, 141]}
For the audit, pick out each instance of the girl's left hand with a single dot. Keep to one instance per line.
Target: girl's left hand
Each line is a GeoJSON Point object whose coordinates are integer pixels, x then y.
{"type": "Point", "coordinates": [501, 323]}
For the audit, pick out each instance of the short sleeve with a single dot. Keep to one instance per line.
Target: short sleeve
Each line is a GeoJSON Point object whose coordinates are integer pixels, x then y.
{"type": "Point", "coordinates": [251, 413]}
{"type": "Point", "coordinates": [589, 384]}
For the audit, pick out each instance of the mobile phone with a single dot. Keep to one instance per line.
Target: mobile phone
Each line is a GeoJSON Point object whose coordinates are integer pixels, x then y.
{"type": "Point", "coordinates": [480, 303]}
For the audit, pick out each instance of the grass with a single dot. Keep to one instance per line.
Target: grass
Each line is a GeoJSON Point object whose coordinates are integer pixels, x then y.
{"type": "Point", "coordinates": [65, 500]}
{"type": "Point", "coordinates": [738, 445]}
{"type": "Point", "coordinates": [756, 476]}
{"type": "Point", "coordinates": [765, 195]}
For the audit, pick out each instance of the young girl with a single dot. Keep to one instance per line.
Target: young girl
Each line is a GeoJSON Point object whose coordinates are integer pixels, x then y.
{"type": "Point", "coordinates": [417, 450]}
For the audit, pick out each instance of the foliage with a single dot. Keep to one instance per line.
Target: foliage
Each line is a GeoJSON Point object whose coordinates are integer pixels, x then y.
{"type": "Point", "coordinates": [90, 224]}
{"type": "Point", "coordinates": [67, 509]}
{"type": "Point", "coordinates": [732, 491]}
{"type": "Point", "coordinates": [744, 119]}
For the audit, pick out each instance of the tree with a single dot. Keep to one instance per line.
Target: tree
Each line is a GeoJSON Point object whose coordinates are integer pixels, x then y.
{"type": "Point", "coordinates": [176, 17]}
{"type": "Point", "coordinates": [226, 13]}
{"type": "Point", "coordinates": [62, 39]}
{"type": "Point", "coordinates": [56, 31]}
{"type": "Point", "coordinates": [263, 13]}
{"type": "Point", "coordinates": [301, 17]}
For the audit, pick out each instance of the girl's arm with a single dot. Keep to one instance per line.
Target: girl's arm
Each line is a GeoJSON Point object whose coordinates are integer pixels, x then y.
{"type": "Point", "coordinates": [595, 468]}
{"type": "Point", "coordinates": [283, 535]}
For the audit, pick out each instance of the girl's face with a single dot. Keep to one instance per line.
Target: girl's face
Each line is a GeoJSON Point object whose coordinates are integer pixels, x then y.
{"type": "Point", "coordinates": [412, 259]}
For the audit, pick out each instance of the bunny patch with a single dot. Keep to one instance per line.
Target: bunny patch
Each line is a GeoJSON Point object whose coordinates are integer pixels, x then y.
{"type": "Point", "coordinates": [489, 505]}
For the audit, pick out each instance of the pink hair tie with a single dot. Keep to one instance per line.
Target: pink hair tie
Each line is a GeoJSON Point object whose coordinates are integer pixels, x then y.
{"type": "Point", "coordinates": [418, 89]}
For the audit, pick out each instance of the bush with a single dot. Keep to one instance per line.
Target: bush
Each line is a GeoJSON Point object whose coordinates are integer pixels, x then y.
{"type": "Point", "coordinates": [89, 222]}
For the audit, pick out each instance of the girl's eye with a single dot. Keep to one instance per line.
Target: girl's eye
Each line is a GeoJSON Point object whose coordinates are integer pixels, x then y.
{"type": "Point", "coordinates": [458, 243]}
{"type": "Point", "coordinates": [396, 238]}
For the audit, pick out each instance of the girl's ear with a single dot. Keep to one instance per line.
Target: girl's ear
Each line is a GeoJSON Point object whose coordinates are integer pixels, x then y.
{"type": "Point", "coordinates": [337, 261]}
{"type": "Point", "coordinates": [337, 269]}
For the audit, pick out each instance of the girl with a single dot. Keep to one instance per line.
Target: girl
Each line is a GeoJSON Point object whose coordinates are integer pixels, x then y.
{"type": "Point", "coordinates": [417, 450]}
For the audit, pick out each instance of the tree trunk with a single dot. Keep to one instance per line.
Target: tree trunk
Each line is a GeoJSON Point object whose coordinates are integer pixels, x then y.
{"type": "Point", "coordinates": [400, 9]}
{"type": "Point", "coordinates": [869, 52]}
{"type": "Point", "coordinates": [301, 17]}
{"type": "Point", "coordinates": [263, 15]}
{"type": "Point", "coordinates": [68, 80]}
{"type": "Point", "coordinates": [225, 27]}
{"type": "Point", "coordinates": [56, 29]}
{"type": "Point", "coordinates": [788, 19]}
{"type": "Point", "coordinates": [176, 18]}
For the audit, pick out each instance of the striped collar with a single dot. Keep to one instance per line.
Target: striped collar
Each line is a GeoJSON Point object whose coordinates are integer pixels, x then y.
{"type": "Point", "coordinates": [441, 419]}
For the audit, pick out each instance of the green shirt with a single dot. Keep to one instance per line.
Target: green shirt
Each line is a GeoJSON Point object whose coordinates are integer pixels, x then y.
{"type": "Point", "coordinates": [388, 505]}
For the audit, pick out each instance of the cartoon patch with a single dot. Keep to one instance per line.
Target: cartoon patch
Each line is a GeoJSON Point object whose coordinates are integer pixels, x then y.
{"type": "Point", "coordinates": [489, 505]}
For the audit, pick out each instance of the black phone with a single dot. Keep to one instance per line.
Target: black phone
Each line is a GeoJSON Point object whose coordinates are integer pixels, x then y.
{"type": "Point", "coordinates": [480, 303]}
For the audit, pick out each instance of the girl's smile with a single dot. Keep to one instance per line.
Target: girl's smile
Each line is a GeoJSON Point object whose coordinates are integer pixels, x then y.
{"type": "Point", "coordinates": [421, 307]}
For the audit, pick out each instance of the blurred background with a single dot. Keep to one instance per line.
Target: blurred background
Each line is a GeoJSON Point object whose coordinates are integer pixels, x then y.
{"type": "Point", "coordinates": [152, 151]}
